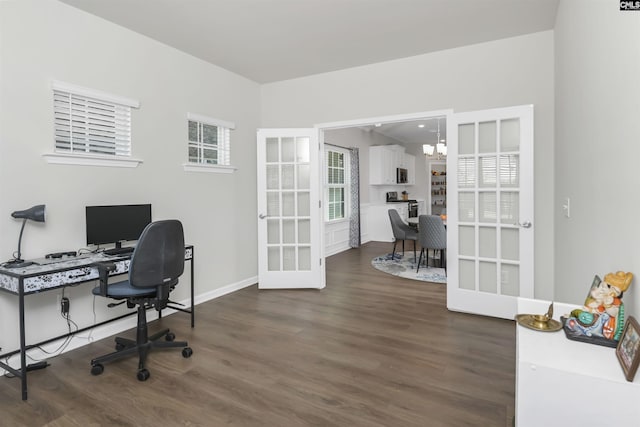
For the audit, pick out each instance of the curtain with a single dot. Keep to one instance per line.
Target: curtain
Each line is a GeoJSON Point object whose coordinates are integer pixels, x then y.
{"type": "Point", "coordinates": [354, 220]}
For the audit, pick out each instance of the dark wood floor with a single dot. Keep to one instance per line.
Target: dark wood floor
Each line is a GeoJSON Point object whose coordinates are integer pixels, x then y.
{"type": "Point", "coordinates": [368, 350]}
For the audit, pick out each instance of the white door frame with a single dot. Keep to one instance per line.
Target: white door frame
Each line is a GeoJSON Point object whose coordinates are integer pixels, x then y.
{"type": "Point", "coordinates": [323, 127]}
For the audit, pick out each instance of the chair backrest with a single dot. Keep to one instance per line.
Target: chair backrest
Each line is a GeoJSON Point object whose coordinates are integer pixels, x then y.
{"type": "Point", "coordinates": [397, 225]}
{"type": "Point", "coordinates": [158, 258]}
{"type": "Point", "coordinates": [431, 232]}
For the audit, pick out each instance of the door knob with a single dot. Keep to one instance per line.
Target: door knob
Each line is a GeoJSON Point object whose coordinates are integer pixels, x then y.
{"type": "Point", "coordinates": [262, 216]}
{"type": "Point", "coordinates": [526, 224]}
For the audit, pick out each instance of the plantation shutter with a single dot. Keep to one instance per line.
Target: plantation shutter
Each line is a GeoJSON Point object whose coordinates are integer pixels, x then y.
{"type": "Point", "coordinates": [90, 122]}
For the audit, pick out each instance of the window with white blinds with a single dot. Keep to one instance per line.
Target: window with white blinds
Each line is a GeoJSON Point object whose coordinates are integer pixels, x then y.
{"type": "Point", "coordinates": [337, 184]}
{"type": "Point", "coordinates": [91, 122]}
{"type": "Point", "coordinates": [209, 140]}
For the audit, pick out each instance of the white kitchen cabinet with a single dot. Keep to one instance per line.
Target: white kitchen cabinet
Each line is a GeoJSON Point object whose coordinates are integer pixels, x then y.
{"type": "Point", "coordinates": [382, 165]}
{"type": "Point", "coordinates": [379, 222]}
{"type": "Point", "coordinates": [384, 160]}
{"type": "Point", "coordinates": [561, 382]}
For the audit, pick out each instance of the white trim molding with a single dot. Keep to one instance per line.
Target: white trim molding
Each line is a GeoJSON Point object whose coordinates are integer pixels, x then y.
{"type": "Point", "coordinates": [91, 160]}
{"type": "Point", "coordinates": [196, 167]}
{"type": "Point", "coordinates": [93, 93]}
{"type": "Point", "coordinates": [211, 121]}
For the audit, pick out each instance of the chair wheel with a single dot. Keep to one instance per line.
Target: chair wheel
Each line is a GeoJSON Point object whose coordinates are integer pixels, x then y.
{"type": "Point", "coordinates": [187, 352]}
{"type": "Point", "coordinates": [120, 347]}
{"type": "Point", "coordinates": [97, 369]}
{"type": "Point", "coordinates": [170, 336]}
{"type": "Point", "coordinates": [143, 375]}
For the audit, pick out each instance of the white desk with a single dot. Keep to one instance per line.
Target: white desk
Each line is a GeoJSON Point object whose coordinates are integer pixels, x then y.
{"type": "Point", "coordinates": [68, 271]}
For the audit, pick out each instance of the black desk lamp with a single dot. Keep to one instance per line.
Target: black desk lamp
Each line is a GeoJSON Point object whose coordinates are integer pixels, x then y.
{"type": "Point", "coordinates": [35, 213]}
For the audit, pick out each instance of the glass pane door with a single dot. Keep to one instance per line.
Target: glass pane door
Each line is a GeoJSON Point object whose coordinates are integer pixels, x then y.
{"type": "Point", "coordinates": [288, 222]}
{"type": "Point", "coordinates": [491, 238]}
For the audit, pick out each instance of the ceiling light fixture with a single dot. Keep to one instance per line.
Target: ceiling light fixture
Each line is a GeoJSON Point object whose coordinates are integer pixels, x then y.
{"type": "Point", "coordinates": [440, 147]}
{"type": "Point", "coordinates": [420, 125]}
{"type": "Point", "coordinates": [427, 149]}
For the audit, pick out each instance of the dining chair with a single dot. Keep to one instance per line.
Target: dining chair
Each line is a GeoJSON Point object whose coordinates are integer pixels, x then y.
{"type": "Point", "coordinates": [401, 231]}
{"type": "Point", "coordinates": [432, 234]}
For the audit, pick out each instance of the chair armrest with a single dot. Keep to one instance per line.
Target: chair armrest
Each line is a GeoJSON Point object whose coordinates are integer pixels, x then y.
{"type": "Point", "coordinates": [104, 268]}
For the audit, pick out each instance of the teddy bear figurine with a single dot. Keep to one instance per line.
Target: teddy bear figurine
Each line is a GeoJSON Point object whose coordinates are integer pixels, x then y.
{"type": "Point", "coordinates": [603, 311]}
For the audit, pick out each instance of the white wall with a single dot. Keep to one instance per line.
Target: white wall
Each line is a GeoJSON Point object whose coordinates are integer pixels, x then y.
{"type": "Point", "coordinates": [597, 50]}
{"type": "Point", "coordinates": [45, 40]}
{"type": "Point", "coordinates": [508, 72]}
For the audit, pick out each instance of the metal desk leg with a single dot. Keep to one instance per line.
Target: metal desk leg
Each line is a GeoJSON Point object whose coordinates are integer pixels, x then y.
{"type": "Point", "coordinates": [193, 311]}
{"type": "Point", "coordinates": [23, 342]}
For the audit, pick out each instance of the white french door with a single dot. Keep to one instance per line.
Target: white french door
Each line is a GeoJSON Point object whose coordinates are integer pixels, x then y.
{"type": "Point", "coordinates": [490, 217]}
{"type": "Point", "coordinates": [289, 210]}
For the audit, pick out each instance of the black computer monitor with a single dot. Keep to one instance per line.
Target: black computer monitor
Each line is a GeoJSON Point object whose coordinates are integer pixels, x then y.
{"type": "Point", "coordinates": [117, 223]}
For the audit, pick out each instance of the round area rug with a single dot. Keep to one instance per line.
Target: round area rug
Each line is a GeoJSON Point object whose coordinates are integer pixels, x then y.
{"type": "Point", "coordinates": [403, 266]}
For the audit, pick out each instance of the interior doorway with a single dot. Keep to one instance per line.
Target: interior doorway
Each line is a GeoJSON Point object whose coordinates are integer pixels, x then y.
{"type": "Point", "coordinates": [407, 134]}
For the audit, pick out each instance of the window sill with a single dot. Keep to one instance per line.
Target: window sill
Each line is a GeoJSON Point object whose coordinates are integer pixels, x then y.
{"type": "Point", "coordinates": [194, 167]}
{"type": "Point", "coordinates": [336, 221]}
{"type": "Point", "coordinates": [91, 160]}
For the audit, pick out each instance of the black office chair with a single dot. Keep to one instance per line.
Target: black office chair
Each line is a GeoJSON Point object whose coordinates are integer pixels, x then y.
{"type": "Point", "coordinates": [156, 264]}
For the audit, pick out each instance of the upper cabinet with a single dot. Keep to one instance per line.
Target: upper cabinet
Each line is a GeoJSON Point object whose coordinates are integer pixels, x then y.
{"type": "Point", "coordinates": [384, 160]}
{"type": "Point", "coordinates": [382, 165]}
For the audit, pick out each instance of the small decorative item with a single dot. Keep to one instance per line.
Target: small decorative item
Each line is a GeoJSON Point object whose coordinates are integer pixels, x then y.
{"type": "Point", "coordinates": [540, 322]}
{"type": "Point", "coordinates": [628, 349]}
{"type": "Point", "coordinates": [601, 319]}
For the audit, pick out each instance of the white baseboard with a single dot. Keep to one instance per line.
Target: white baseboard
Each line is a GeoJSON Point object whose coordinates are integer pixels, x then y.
{"type": "Point", "coordinates": [118, 326]}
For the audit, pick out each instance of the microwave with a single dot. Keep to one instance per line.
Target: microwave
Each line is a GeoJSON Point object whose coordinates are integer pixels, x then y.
{"type": "Point", "coordinates": [401, 176]}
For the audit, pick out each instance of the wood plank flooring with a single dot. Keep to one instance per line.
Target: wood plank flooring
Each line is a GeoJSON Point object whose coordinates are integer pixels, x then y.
{"type": "Point", "coordinates": [369, 350]}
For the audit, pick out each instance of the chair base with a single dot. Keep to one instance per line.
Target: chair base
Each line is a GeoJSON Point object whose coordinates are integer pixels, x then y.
{"type": "Point", "coordinates": [141, 347]}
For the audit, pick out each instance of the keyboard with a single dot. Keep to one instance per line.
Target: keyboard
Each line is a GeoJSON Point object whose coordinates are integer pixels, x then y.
{"type": "Point", "coordinates": [119, 251]}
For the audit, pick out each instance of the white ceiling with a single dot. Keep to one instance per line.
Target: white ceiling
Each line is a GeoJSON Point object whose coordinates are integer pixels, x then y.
{"type": "Point", "coordinates": [272, 40]}
{"type": "Point", "coordinates": [410, 132]}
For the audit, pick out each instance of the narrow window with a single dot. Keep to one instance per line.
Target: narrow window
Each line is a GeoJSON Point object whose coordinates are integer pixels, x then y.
{"type": "Point", "coordinates": [336, 185]}
{"type": "Point", "coordinates": [209, 141]}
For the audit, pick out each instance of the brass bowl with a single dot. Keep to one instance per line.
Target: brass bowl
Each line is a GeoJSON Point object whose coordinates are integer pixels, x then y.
{"type": "Point", "coordinates": [538, 322]}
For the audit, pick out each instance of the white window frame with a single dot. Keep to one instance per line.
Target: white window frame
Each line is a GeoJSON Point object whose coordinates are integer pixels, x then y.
{"type": "Point", "coordinates": [346, 185]}
{"type": "Point", "coordinates": [121, 124]}
{"type": "Point", "coordinates": [223, 148]}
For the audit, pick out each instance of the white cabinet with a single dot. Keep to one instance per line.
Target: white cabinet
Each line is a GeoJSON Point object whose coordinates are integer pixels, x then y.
{"type": "Point", "coordinates": [382, 165]}
{"type": "Point", "coordinates": [384, 160]}
{"type": "Point", "coordinates": [379, 222]}
{"type": "Point", "coordinates": [561, 382]}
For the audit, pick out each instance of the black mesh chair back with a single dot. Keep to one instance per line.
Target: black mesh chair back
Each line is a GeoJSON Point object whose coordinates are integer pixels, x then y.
{"type": "Point", "coordinates": [158, 258]}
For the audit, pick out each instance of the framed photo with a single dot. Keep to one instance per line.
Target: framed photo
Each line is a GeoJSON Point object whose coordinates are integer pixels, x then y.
{"type": "Point", "coordinates": [628, 349]}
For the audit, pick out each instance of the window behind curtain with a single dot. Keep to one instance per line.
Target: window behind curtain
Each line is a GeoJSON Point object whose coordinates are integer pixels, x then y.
{"type": "Point", "coordinates": [336, 185]}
